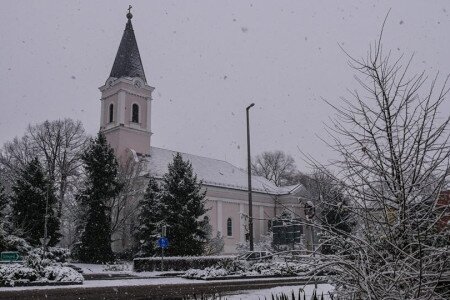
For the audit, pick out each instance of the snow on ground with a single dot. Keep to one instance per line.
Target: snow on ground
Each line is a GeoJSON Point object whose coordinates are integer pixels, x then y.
{"type": "Point", "coordinates": [136, 282]}
{"type": "Point", "coordinates": [123, 268]}
{"type": "Point", "coordinates": [107, 283]}
{"type": "Point", "coordinates": [267, 293]}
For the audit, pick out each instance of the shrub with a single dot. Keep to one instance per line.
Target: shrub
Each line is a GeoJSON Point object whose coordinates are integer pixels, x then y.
{"type": "Point", "coordinates": [238, 268]}
{"type": "Point", "coordinates": [178, 263]}
{"type": "Point", "coordinates": [61, 274]}
{"type": "Point", "coordinates": [55, 254]}
{"type": "Point", "coordinates": [15, 243]}
{"type": "Point", "coordinates": [10, 274]}
{"type": "Point", "coordinates": [36, 262]}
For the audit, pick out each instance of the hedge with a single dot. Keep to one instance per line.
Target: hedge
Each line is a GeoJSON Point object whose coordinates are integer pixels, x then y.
{"type": "Point", "coordinates": [177, 263]}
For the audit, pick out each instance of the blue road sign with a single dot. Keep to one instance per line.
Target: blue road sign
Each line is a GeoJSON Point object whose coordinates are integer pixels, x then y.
{"type": "Point", "coordinates": [163, 242]}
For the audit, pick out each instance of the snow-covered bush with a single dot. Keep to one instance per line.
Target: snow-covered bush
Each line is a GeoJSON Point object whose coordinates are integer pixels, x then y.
{"type": "Point", "coordinates": [10, 274]}
{"type": "Point", "coordinates": [13, 274]}
{"type": "Point", "coordinates": [15, 243]}
{"type": "Point", "coordinates": [206, 273]}
{"type": "Point", "coordinates": [36, 268]}
{"type": "Point", "coordinates": [56, 254]}
{"type": "Point", "coordinates": [213, 245]}
{"type": "Point", "coordinates": [36, 262]}
{"type": "Point", "coordinates": [178, 263]}
{"type": "Point", "coordinates": [238, 268]}
{"type": "Point", "coordinates": [116, 267]}
{"type": "Point", "coordinates": [61, 274]}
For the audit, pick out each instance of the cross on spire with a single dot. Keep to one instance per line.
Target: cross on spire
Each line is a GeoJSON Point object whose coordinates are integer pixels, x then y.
{"type": "Point", "coordinates": [129, 15]}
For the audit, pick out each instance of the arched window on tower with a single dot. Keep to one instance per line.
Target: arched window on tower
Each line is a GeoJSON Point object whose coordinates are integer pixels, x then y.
{"type": "Point", "coordinates": [111, 113]}
{"type": "Point", "coordinates": [229, 227]}
{"type": "Point", "coordinates": [135, 113]}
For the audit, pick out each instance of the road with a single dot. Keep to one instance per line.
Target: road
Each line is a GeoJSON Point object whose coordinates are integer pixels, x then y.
{"type": "Point", "coordinates": [164, 288]}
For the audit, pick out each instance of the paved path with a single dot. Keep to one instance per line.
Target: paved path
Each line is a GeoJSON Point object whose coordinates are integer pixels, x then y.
{"type": "Point", "coordinates": [164, 288]}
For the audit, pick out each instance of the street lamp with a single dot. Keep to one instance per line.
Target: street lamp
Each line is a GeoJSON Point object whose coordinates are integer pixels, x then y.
{"type": "Point", "coordinates": [250, 210]}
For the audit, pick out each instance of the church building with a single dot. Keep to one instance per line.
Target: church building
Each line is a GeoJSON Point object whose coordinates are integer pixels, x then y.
{"type": "Point", "coordinates": [125, 120]}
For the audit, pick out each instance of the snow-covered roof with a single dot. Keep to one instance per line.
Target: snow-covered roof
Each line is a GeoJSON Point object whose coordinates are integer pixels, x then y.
{"type": "Point", "coordinates": [213, 172]}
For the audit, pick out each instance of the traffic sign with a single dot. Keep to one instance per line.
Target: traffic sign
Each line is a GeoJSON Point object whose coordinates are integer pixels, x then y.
{"type": "Point", "coordinates": [163, 242]}
{"type": "Point", "coordinates": [10, 256]}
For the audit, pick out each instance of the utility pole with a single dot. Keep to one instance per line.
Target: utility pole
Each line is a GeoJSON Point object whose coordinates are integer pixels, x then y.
{"type": "Point", "coordinates": [249, 169]}
{"type": "Point", "coordinates": [45, 242]}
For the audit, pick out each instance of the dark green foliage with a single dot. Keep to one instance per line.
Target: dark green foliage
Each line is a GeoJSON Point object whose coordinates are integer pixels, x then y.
{"type": "Point", "coordinates": [101, 184]}
{"type": "Point", "coordinates": [332, 209]}
{"type": "Point", "coordinates": [183, 202]}
{"type": "Point", "coordinates": [31, 193]}
{"type": "Point", "coordinates": [149, 210]}
{"type": "Point", "coordinates": [335, 217]}
{"type": "Point", "coordinates": [3, 204]}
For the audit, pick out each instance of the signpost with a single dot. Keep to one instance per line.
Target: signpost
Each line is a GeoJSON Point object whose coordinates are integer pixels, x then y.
{"type": "Point", "coordinates": [10, 256]}
{"type": "Point", "coordinates": [163, 243]}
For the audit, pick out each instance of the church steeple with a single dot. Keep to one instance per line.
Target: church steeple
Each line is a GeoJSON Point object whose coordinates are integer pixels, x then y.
{"type": "Point", "coordinates": [128, 61]}
{"type": "Point", "coordinates": [125, 117]}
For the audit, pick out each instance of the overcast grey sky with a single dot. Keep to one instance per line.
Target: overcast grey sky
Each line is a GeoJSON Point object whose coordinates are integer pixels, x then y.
{"type": "Point", "coordinates": [208, 60]}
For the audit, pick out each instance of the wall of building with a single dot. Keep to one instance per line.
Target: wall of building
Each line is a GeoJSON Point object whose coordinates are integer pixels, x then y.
{"type": "Point", "coordinates": [231, 203]}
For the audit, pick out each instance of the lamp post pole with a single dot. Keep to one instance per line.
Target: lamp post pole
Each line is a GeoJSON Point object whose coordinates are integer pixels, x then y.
{"type": "Point", "coordinates": [250, 206]}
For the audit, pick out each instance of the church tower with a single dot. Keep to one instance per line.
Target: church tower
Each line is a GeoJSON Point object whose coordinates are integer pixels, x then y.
{"type": "Point", "coordinates": [126, 100]}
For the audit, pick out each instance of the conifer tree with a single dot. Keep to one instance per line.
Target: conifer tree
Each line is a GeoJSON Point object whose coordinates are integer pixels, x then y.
{"type": "Point", "coordinates": [149, 219]}
{"type": "Point", "coordinates": [3, 217]}
{"type": "Point", "coordinates": [183, 202]}
{"type": "Point", "coordinates": [32, 193]}
{"type": "Point", "coordinates": [101, 184]}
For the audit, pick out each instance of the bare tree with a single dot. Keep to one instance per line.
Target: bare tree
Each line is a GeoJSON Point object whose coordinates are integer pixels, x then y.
{"type": "Point", "coordinates": [58, 145]}
{"type": "Point", "coordinates": [394, 156]}
{"type": "Point", "coordinates": [15, 155]}
{"type": "Point", "coordinates": [275, 166]}
{"type": "Point", "coordinates": [124, 207]}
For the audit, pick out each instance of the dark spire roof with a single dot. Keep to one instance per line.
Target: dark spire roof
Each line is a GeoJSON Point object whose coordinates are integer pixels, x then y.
{"type": "Point", "coordinates": [128, 61]}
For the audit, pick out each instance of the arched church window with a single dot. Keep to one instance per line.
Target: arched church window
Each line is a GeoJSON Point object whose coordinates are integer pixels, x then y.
{"type": "Point", "coordinates": [135, 113]}
{"type": "Point", "coordinates": [111, 113]}
{"type": "Point", "coordinates": [229, 227]}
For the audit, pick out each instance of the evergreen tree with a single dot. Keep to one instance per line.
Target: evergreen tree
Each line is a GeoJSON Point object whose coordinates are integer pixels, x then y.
{"type": "Point", "coordinates": [149, 217]}
{"type": "Point", "coordinates": [3, 217]}
{"type": "Point", "coordinates": [336, 218]}
{"type": "Point", "coordinates": [32, 193]}
{"type": "Point", "coordinates": [183, 203]}
{"type": "Point", "coordinates": [101, 184]}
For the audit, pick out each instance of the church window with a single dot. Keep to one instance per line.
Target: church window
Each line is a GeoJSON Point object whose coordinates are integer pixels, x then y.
{"type": "Point", "coordinates": [111, 113]}
{"type": "Point", "coordinates": [135, 113]}
{"type": "Point", "coordinates": [229, 227]}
